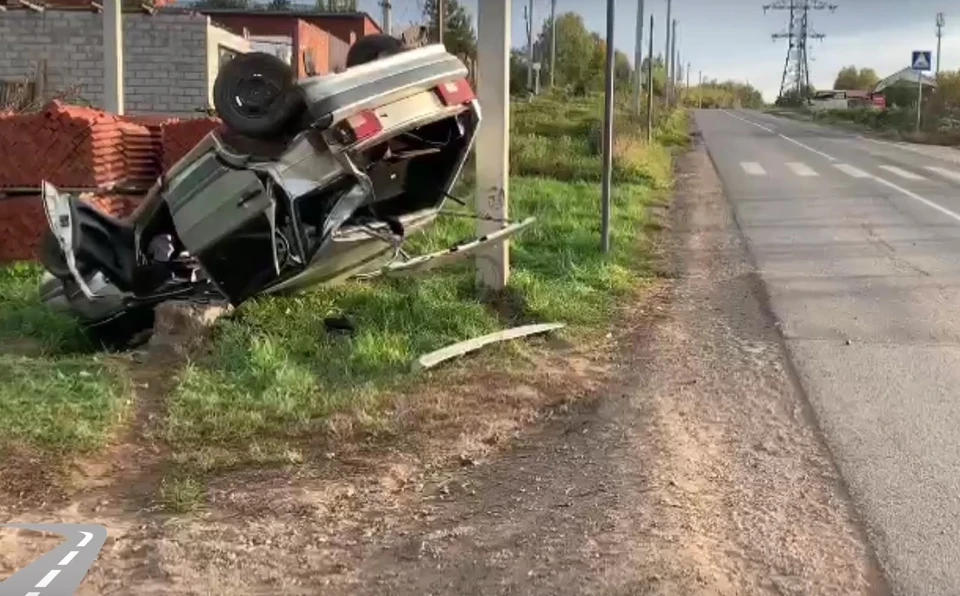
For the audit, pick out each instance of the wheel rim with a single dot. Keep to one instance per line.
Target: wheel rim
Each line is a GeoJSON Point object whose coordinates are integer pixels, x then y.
{"type": "Point", "coordinates": [255, 94]}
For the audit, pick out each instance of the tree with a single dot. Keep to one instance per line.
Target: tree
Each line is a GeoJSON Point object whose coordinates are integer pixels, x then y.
{"type": "Point", "coordinates": [622, 70]}
{"type": "Point", "coordinates": [279, 5]}
{"type": "Point", "coordinates": [576, 51]}
{"type": "Point", "coordinates": [518, 71]}
{"type": "Point", "coordinates": [849, 78]}
{"type": "Point", "coordinates": [659, 73]}
{"type": "Point", "coordinates": [458, 35]}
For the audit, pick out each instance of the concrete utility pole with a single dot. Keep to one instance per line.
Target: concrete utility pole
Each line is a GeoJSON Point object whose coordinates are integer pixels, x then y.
{"type": "Point", "coordinates": [667, 52]}
{"type": "Point", "coordinates": [441, 19]}
{"type": "Point", "coordinates": [112, 57]}
{"type": "Point", "coordinates": [686, 88]}
{"type": "Point", "coordinates": [493, 139]}
{"type": "Point", "coordinates": [528, 14]}
{"type": "Point", "coordinates": [650, 85]}
{"type": "Point", "coordinates": [608, 127]}
{"type": "Point", "coordinates": [387, 16]}
{"type": "Point", "coordinates": [638, 60]}
{"type": "Point", "coordinates": [553, 42]}
{"type": "Point", "coordinates": [940, 24]}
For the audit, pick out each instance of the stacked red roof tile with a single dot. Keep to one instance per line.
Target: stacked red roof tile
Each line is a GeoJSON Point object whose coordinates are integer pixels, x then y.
{"type": "Point", "coordinates": [178, 137]}
{"type": "Point", "coordinates": [114, 158]}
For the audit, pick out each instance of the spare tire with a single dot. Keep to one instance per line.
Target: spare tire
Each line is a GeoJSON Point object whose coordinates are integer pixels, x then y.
{"type": "Point", "coordinates": [373, 47]}
{"type": "Point", "coordinates": [256, 95]}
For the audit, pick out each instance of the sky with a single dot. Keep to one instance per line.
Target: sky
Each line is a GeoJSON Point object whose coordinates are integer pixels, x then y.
{"type": "Point", "coordinates": [731, 39]}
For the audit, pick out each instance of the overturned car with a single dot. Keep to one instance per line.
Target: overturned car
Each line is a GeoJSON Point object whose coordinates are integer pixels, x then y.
{"type": "Point", "coordinates": [309, 182]}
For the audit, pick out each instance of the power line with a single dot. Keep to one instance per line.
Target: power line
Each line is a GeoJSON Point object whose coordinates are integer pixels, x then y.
{"type": "Point", "coordinates": [796, 66]}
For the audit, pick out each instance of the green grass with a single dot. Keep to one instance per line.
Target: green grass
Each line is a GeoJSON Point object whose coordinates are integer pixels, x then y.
{"type": "Point", "coordinates": [24, 319]}
{"type": "Point", "coordinates": [55, 396]}
{"type": "Point", "coordinates": [274, 372]}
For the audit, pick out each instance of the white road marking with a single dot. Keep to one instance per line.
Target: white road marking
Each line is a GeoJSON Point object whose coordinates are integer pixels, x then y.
{"type": "Point", "coordinates": [887, 183]}
{"type": "Point", "coordinates": [33, 594]}
{"type": "Point", "coordinates": [43, 583]}
{"type": "Point", "coordinates": [951, 174]}
{"type": "Point", "coordinates": [902, 173]}
{"type": "Point", "coordinates": [808, 148]}
{"type": "Point", "coordinates": [851, 171]}
{"type": "Point", "coordinates": [732, 115]}
{"type": "Point", "coordinates": [917, 197]}
{"type": "Point", "coordinates": [784, 137]}
{"type": "Point", "coordinates": [70, 555]}
{"type": "Point", "coordinates": [753, 168]}
{"type": "Point", "coordinates": [87, 536]}
{"type": "Point", "coordinates": [801, 169]}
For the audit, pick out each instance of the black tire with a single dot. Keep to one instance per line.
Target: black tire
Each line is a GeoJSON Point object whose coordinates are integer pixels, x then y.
{"type": "Point", "coordinates": [373, 47]}
{"type": "Point", "coordinates": [256, 95]}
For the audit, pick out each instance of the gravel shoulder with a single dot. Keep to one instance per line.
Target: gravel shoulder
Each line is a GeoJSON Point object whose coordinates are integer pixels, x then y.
{"type": "Point", "coordinates": [681, 461]}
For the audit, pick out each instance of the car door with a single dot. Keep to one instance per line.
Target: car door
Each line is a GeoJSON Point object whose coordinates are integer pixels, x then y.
{"type": "Point", "coordinates": [225, 217]}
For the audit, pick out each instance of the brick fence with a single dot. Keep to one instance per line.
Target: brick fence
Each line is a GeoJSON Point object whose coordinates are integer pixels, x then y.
{"type": "Point", "coordinates": [110, 160]}
{"type": "Point", "coordinates": [166, 57]}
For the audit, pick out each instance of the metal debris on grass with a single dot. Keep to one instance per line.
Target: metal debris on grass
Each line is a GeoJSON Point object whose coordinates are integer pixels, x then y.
{"type": "Point", "coordinates": [460, 348]}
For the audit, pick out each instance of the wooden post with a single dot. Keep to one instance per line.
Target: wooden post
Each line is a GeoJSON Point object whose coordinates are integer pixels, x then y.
{"type": "Point", "coordinates": [493, 138]}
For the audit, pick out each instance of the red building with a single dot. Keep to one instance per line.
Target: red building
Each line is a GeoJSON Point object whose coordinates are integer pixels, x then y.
{"type": "Point", "coordinates": [319, 40]}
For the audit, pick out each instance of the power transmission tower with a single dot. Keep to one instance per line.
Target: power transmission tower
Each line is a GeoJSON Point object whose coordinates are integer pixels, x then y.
{"type": "Point", "coordinates": [796, 67]}
{"type": "Point", "coordinates": [940, 24]}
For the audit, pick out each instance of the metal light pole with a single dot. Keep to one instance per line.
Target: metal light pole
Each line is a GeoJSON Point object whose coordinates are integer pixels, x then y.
{"type": "Point", "coordinates": [672, 61]}
{"type": "Point", "coordinates": [553, 42]}
{"type": "Point", "coordinates": [608, 128]}
{"type": "Point", "coordinates": [441, 19]}
{"type": "Point", "coordinates": [387, 16]}
{"type": "Point", "coordinates": [638, 60]}
{"type": "Point", "coordinates": [700, 89]}
{"type": "Point", "coordinates": [667, 52]}
{"type": "Point", "coordinates": [529, 46]}
{"type": "Point", "coordinates": [650, 85]}
{"type": "Point", "coordinates": [919, 97]}
{"type": "Point", "coordinates": [940, 24]}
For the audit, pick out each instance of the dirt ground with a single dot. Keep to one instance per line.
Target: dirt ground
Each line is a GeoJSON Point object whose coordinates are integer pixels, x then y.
{"type": "Point", "coordinates": [679, 458]}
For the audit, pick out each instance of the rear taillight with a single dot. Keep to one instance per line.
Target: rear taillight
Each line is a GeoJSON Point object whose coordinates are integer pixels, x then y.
{"type": "Point", "coordinates": [361, 126]}
{"type": "Point", "coordinates": [455, 92]}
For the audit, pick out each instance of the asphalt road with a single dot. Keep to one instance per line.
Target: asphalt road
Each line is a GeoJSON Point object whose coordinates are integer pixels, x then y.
{"type": "Point", "coordinates": [60, 571]}
{"type": "Point", "coordinates": [858, 245]}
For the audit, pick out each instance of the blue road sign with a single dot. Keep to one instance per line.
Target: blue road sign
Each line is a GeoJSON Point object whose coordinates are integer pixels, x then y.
{"type": "Point", "coordinates": [921, 61]}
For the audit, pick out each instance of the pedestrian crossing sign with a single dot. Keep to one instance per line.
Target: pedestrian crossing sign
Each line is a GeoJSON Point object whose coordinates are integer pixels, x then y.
{"type": "Point", "coordinates": [921, 61]}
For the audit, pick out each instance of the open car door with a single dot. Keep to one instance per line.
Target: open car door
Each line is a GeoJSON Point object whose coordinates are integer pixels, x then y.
{"type": "Point", "coordinates": [226, 219]}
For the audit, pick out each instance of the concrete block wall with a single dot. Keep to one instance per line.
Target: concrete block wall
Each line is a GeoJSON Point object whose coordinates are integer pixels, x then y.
{"type": "Point", "coordinates": [165, 57]}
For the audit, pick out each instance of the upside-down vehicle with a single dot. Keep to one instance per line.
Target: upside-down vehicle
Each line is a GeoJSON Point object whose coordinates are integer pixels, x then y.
{"type": "Point", "coordinates": [307, 182]}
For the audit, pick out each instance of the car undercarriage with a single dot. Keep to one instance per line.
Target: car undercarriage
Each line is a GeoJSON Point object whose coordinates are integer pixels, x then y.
{"type": "Point", "coordinates": [307, 182]}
